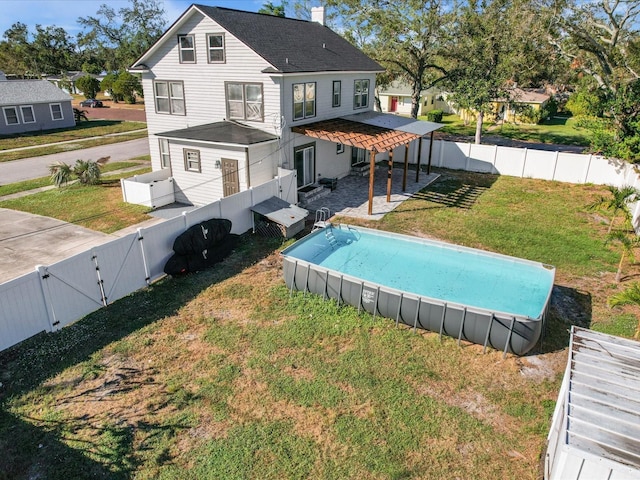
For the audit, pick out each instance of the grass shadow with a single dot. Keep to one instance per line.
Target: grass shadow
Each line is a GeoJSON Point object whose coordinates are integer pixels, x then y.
{"type": "Point", "coordinates": [568, 306]}
{"type": "Point", "coordinates": [24, 368]}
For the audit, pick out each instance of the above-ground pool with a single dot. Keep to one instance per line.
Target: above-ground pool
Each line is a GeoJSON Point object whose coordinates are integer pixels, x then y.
{"type": "Point", "coordinates": [482, 297]}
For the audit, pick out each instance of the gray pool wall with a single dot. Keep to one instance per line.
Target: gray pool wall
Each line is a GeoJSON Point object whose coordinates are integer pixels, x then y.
{"type": "Point", "coordinates": [499, 330]}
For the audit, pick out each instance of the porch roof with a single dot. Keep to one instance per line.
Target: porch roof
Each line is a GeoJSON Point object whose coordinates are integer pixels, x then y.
{"type": "Point", "coordinates": [373, 131]}
{"type": "Point", "coordinates": [225, 133]}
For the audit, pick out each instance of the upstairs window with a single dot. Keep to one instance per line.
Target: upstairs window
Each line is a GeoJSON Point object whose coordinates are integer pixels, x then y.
{"type": "Point", "coordinates": [169, 97]}
{"type": "Point", "coordinates": [361, 94]}
{"type": "Point", "coordinates": [187, 48]}
{"type": "Point", "coordinates": [337, 93]}
{"type": "Point", "coordinates": [245, 101]}
{"type": "Point", "coordinates": [11, 115]}
{"type": "Point", "coordinates": [27, 114]}
{"type": "Point", "coordinates": [215, 43]}
{"type": "Point", "coordinates": [304, 100]}
{"type": "Point", "coordinates": [56, 111]}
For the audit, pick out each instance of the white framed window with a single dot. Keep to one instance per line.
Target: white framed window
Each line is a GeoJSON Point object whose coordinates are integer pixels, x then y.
{"type": "Point", "coordinates": [169, 97]}
{"type": "Point", "coordinates": [56, 111]}
{"type": "Point", "coordinates": [192, 160]}
{"type": "Point", "coordinates": [305, 162]}
{"type": "Point", "coordinates": [304, 100]}
{"type": "Point", "coordinates": [339, 148]}
{"type": "Point", "coordinates": [165, 156]}
{"type": "Point", "coordinates": [245, 101]}
{"type": "Point", "coordinates": [361, 94]}
{"type": "Point", "coordinates": [187, 48]}
{"type": "Point", "coordinates": [27, 114]}
{"type": "Point", "coordinates": [11, 115]}
{"type": "Point", "coordinates": [215, 45]}
{"type": "Point", "coordinates": [337, 93]}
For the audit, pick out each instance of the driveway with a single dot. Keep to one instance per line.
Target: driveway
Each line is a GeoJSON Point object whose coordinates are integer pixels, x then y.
{"type": "Point", "coordinates": [35, 167]}
{"type": "Point", "coordinates": [27, 240]}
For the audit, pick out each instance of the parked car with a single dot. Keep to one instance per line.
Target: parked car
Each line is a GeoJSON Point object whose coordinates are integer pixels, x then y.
{"type": "Point", "coordinates": [91, 102]}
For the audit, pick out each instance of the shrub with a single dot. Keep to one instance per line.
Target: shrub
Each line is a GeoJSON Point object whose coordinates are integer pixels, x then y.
{"type": "Point", "coordinates": [435, 115]}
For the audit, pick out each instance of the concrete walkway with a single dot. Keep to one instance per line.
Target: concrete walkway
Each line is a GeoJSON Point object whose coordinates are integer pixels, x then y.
{"type": "Point", "coordinates": [351, 197]}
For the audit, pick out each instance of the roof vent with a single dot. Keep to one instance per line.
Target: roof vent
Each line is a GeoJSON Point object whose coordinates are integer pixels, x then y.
{"type": "Point", "coordinates": [286, 60]}
{"type": "Point", "coordinates": [317, 15]}
{"type": "Point", "coordinates": [324, 45]}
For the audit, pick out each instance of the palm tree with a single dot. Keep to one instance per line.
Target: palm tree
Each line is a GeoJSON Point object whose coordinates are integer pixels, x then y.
{"type": "Point", "coordinates": [60, 173]}
{"type": "Point", "coordinates": [617, 202]}
{"type": "Point", "coordinates": [87, 171]}
{"type": "Point", "coordinates": [627, 243]}
{"type": "Point", "coordinates": [630, 296]}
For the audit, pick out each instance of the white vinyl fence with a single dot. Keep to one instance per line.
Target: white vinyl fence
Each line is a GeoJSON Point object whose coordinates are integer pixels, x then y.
{"type": "Point", "coordinates": [56, 295]}
{"type": "Point", "coordinates": [530, 163]}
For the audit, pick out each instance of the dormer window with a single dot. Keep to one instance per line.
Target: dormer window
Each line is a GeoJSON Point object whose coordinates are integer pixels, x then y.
{"type": "Point", "coordinates": [187, 48]}
{"type": "Point", "coordinates": [215, 44]}
{"type": "Point", "coordinates": [361, 94]}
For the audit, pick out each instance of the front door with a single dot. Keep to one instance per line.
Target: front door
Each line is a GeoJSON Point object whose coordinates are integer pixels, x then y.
{"type": "Point", "coordinates": [394, 104]}
{"type": "Point", "coordinates": [230, 181]}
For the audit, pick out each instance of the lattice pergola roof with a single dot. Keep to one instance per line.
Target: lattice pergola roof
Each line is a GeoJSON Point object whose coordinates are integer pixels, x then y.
{"type": "Point", "coordinates": [356, 134]}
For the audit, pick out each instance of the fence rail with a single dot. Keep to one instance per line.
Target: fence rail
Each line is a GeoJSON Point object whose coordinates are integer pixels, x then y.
{"type": "Point", "coordinates": [56, 295]}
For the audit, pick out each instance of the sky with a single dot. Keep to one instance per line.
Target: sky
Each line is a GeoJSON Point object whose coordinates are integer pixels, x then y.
{"type": "Point", "coordinates": [65, 13]}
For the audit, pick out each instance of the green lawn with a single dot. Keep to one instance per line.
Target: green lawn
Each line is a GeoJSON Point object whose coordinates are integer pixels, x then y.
{"type": "Point", "coordinates": [559, 130]}
{"type": "Point", "coordinates": [82, 130]}
{"type": "Point", "coordinates": [46, 181]}
{"type": "Point", "coordinates": [224, 374]}
{"type": "Point", "coordinates": [98, 207]}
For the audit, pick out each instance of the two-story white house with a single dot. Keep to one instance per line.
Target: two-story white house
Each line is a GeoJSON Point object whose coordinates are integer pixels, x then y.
{"type": "Point", "coordinates": [233, 95]}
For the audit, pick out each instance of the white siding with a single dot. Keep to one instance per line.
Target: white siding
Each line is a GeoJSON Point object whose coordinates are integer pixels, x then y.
{"type": "Point", "coordinates": [328, 163]}
{"type": "Point", "coordinates": [263, 161]}
{"type": "Point", "coordinates": [204, 83]}
{"type": "Point", "coordinates": [201, 188]}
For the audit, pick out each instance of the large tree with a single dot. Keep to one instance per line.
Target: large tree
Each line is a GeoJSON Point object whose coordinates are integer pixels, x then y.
{"type": "Point", "coordinates": [122, 36]}
{"type": "Point", "coordinates": [407, 37]}
{"type": "Point", "coordinates": [495, 45]}
{"type": "Point", "coordinates": [601, 40]}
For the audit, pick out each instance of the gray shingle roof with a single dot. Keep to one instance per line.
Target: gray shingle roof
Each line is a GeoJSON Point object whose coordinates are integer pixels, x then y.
{"type": "Point", "coordinates": [292, 45]}
{"type": "Point", "coordinates": [221, 132]}
{"type": "Point", "coordinates": [26, 92]}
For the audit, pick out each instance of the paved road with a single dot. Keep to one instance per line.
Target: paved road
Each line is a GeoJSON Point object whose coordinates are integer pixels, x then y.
{"type": "Point", "coordinates": [35, 167]}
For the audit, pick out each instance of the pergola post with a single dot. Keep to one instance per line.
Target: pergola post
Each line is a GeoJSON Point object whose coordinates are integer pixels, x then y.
{"type": "Point", "coordinates": [419, 155]}
{"type": "Point", "coordinates": [430, 152]}
{"type": "Point", "coordinates": [389, 175]}
{"type": "Point", "coordinates": [406, 167]}
{"type": "Point", "coordinates": [372, 171]}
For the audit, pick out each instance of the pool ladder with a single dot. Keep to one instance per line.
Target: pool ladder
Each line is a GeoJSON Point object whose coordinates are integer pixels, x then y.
{"type": "Point", "coordinates": [328, 233]}
{"type": "Point", "coordinates": [322, 218]}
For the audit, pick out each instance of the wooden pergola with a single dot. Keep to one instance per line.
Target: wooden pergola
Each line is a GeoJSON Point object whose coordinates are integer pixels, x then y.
{"type": "Point", "coordinates": [376, 133]}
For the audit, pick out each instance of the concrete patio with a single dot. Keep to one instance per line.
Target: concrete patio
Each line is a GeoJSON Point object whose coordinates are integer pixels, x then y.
{"type": "Point", "coordinates": [351, 197]}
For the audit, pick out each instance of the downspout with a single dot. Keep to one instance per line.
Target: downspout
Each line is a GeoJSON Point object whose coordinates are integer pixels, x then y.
{"type": "Point", "coordinates": [246, 157]}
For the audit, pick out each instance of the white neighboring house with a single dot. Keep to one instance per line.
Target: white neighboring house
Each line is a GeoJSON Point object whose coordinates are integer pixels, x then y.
{"type": "Point", "coordinates": [233, 95]}
{"type": "Point", "coordinates": [396, 98]}
{"type": "Point", "coordinates": [33, 105]}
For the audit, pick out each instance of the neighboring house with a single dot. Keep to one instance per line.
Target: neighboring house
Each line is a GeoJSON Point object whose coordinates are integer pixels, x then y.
{"type": "Point", "coordinates": [513, 109]}
{"type": "Point", "coordinates": [67, 81]}
{"type": "Point", "coordinates": [396, 98]}
{"type": "Point", "coordinates": [33, 105]}
{"type": "Point", "coordinates": [231, 96]}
